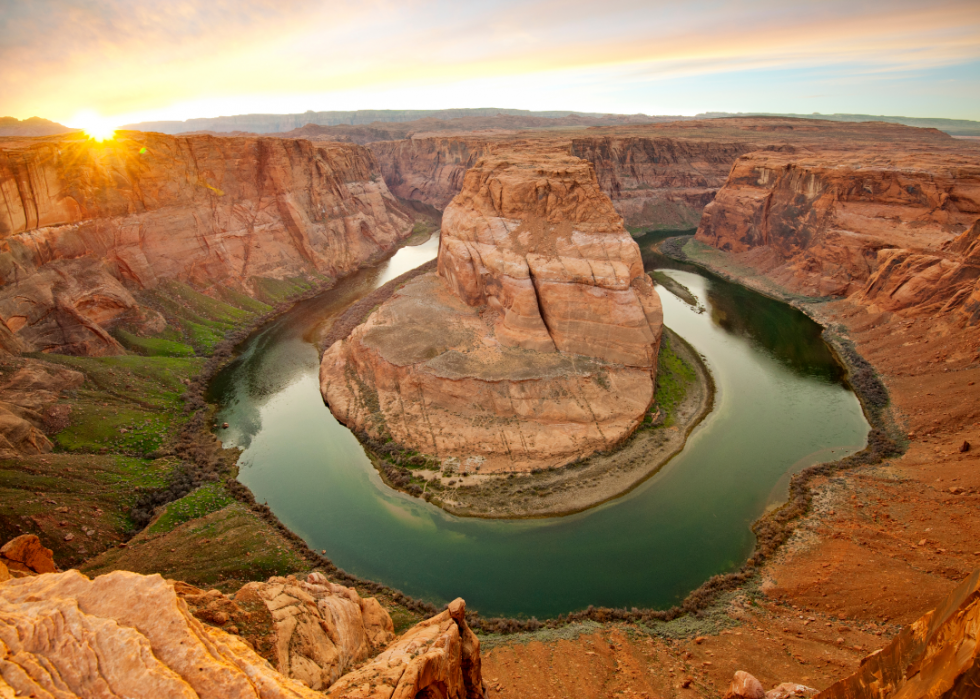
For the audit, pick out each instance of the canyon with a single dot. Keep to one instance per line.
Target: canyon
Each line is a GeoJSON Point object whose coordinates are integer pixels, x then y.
{"type": "Point", "coordinates": [539, 314]}
{"type": "Point", "coordinates": [869, 228]}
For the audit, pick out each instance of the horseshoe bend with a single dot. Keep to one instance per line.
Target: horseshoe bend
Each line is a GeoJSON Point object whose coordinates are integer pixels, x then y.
{"type": "Point", "coordinates": [682, 407]}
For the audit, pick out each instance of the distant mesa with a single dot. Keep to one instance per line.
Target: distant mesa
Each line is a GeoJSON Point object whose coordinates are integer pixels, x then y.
{"type": "Point", "coordinates": [32, 126]}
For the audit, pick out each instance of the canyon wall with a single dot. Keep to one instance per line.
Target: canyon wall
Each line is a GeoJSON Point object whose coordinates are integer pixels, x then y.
{"type": "Point", "coordinates": [535, 344]}
{"type": "Point", "coordinates": [83, 224]}
{"type": "Point", "coordinates": [660, 182]}
{"type": "Point", "coordinates": [429, 170]}
{"type": "Point", "coordinates": [895, 230]}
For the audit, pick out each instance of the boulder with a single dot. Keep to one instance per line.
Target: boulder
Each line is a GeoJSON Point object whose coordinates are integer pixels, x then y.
{"type": "Point", "coordinates": [745, 686]}
{"type": "Point", "coordinates": [25, 554]}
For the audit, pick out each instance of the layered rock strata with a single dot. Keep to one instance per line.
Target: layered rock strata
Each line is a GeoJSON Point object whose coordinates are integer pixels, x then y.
{"type": "Point", "coordinates": [83, 225]}
{"type": "Point", "coordinates": [896, 231]}
{"type": "Point", "coordinates": [660, 182]}
{"type": "Point", "coordinates": [535, 344]}
{"type": "Point", "coordinates": [439, 657]}
{"type": "Point", "coordinates": [321, 629]}
{"type": "Point", "coordinates": [122, 634]}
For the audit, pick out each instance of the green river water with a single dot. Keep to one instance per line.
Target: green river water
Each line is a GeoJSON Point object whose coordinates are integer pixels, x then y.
{"type": "Point", "coordinates": [780, 406]}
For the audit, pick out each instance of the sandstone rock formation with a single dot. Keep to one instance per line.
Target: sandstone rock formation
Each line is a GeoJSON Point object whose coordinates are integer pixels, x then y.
{"type": "Point", "coordinates": [321, 629]}
{"type": "Point", "coordinates": [84, 224]}
{"type": "Point", "coordinates": [937, 656]}
{"type": "Point", "coordinates": [898, 230]}
{"type": "Point", "coordinates": [535, 344]}
{"type": "Point", "coordinates": [28, 406]}
{"type": "Point", "coordinates": [122, 634]}
{"type": "Point", "coordinates": [439, 657]}
{"type": "Point", "coordinates": [24, 556]}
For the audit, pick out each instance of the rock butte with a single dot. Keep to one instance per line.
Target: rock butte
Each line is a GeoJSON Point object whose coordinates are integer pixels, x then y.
{"type": "Point", "coordinates": [84, 225]}
{"type": "Point", "coordinates": [535, 344]}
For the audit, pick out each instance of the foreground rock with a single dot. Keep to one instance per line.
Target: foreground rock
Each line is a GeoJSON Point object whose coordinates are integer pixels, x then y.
{"type": "Point", "coordinates": [898, 231]}
{"type": "Point", "coordinates": [937, 656]}
{"type": "Point", "coordinates": [122, 634]}
{"type": "Point", "coordinates": [321, 629]}
{"type": "Point", "coordinates": [439, 657]}
{"type": "Point", "coordinates": [535, 344]}
{"type": "Point", "coordinates": [85, 225]}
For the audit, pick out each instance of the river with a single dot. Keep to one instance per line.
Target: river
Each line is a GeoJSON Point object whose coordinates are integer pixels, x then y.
{"type": "Point", "coordinates": [781, 405]}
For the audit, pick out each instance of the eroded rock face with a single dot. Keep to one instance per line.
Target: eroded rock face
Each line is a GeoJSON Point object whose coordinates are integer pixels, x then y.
{"type": "Point", "coordinates": [536, 342]}
{"type": "Point", "coordinates": [898, 231]}
{"type": "Point", "coordinates": [82, 224]}
{"type": "Point", "coordinates": [321, 629]}
{"type": "Point", "coordinates": [936, 656]}
{"type": "Point", "coordinates": [439, 657]}
{"type": "Point", "coordinates": [122, 634]}
{"type": "Point", "coordinates": [28, 406]}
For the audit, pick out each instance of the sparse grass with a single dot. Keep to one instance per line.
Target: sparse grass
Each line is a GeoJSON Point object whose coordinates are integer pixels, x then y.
{"type": "Point", "coordinates": [273, 291]}
{"type": "Point", "coordinates": [127, 404]}
{"type": "Point", "coordinates": [153, 346]}
{"type": "Point", "coordinates": [203, 501]}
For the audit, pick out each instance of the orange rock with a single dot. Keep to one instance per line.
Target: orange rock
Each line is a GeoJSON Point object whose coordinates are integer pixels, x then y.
{"type": "Point", "coordinates": [28, 551]}
{"type": "Point", "coordinates": [535, 344]}
{"type": "Point", "coordinates": [438, 657]}
{"type": "Point", "coordinates": [27, 403]}
{"type": "Point", "coordinates": [321, 629]}
{"type": "Point", "coordinates": [745, 686]}
{"type": "Point", "coordinates": [938, 655]}
{"type": "Point", "coordinates": [65, 635]}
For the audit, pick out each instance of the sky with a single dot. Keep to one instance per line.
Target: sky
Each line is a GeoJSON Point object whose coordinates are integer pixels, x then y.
{"type": "Point", "coordinates": [68, 60]}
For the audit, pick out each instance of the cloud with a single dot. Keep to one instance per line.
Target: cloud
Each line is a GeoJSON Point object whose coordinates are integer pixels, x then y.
{"type": "Point", "coordinates": [143, 60]}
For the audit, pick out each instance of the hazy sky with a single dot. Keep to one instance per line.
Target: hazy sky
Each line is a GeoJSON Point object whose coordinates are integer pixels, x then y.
{"type": "Point", "coordinates": [134, 61]}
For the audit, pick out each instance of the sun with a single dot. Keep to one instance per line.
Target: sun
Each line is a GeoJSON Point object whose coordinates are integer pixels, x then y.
{"type": "Point", "coordinates": [95, 127]}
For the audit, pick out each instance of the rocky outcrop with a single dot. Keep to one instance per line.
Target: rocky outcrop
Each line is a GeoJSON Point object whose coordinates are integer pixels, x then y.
{"type": "Point", "coordinates": [439, 657]}
{"type": "Point", "coordinates": [429, 170]}
{"type": "Point", "coordinates": [535, 344]}
{"type": "Point", "coordinates": [29, 407]}
{"type": "Point", "coordinates": [660, 182]}
{"type": "Point", "coordinates": [84, 224]}
{"type": "Point", "coordinates": [896, 230]}
{"type": "Point", "coordinates": [936, 656]}
{"type": "Point", "coordinates": [122, 634]}
{"type": "Point", "coordinates": [321, 629]}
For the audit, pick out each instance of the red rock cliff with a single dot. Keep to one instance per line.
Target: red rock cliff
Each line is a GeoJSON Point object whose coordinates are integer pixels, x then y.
{"type": "Point", "coordinates": [82, 223]}
{"type": "Point", "coordinates": [897, 230]}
